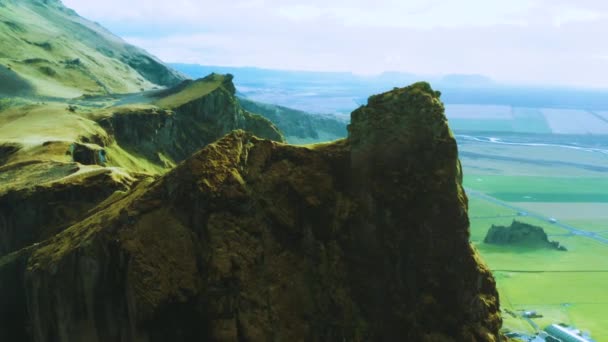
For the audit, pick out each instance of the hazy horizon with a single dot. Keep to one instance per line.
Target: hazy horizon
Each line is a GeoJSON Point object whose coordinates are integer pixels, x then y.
{"type": "Point", "coordinates": [528, 42]}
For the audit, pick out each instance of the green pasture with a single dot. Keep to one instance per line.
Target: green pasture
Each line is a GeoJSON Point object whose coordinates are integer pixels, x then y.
{"type": "Point", "coordinates": [565, 287]}
{"type": "Point", "coordinates": [540, 188]}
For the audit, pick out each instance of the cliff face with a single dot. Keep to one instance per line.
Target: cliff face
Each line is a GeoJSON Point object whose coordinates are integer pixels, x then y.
{"type": "Point", "coordinates": [63, 168]}
{"type": "Point", "coordinates": [190, 116]}
{"type": "Point", "coordinates": [251, 240]}
{"type": "Point", "coordinates": [33, 214]}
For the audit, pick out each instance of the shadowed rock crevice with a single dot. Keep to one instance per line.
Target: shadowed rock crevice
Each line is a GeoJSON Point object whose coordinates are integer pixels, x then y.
{"type": "Point", "coordinates": [7, 150]}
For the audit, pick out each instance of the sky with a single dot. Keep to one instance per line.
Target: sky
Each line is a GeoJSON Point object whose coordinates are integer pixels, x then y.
{"type": "Point", "coordinates": [551, 42]}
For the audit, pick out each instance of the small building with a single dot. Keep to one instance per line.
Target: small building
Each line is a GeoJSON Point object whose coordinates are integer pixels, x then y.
{"type": "Point", "coordinates": [531, 314]}
{"type": "Point", "coordinates": [565, 334]}
{"type": "Point", "coordinates": [543, 337]}
{"type": "Point", "coordinates": [552, 220]}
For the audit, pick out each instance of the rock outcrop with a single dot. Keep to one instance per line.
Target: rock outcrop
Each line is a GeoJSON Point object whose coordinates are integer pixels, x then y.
{"type": "Point", "coordinates": [364, 239]}
{"type": "Point", "coordinates": [189, 117]}
{"type": "Point", "coordinates": [521, 234]}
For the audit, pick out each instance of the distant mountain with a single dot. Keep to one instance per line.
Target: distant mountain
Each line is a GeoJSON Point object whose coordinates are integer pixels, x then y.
{"type": "Point", "coordinates": [260, 75]}
{"type": "Point", "coordinates": [340, 93]}
{"type": "Point", "coordinates": [47, 49]}
{"type": "Point", "coordinates": [253, 75]}
{"type": "Point", "coordinates": [466, 80]}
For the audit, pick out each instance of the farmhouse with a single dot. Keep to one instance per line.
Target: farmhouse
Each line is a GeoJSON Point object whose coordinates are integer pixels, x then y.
{"type": "Point", "coordinates": [565, 334]}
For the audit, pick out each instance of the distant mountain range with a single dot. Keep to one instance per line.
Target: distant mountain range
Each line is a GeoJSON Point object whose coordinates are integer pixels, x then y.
{"type": "Point", "coordinates": [339, 92]}
{"type": "Point", "coordinates": [262, 75]}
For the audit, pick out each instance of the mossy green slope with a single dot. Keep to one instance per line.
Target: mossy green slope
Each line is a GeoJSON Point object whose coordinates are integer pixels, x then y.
{"type": "Point", "coordinates": [253, 240]}
{"type": "Point", "coordinates": [46, 49]}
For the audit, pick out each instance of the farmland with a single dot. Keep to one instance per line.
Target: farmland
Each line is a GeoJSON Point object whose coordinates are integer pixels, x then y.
{"type": "Point", "coordinates": [536, 183]}
{"type": "Point", "coordinates": [543, 189]}
{"type": "Point", "coordinates": [491, 118]}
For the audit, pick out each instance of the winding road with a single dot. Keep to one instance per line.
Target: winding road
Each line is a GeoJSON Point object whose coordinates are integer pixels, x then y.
{"type": "Point", "coordinates": [571, 229]}
{"type": "Point", "coordinates": [500, 141]}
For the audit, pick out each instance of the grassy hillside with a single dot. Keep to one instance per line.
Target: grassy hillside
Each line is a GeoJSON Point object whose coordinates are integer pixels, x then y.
{"type": "Point", "coordinates": [46, 49]}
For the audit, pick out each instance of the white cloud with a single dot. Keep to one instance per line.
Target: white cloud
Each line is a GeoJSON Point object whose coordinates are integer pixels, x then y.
{"type": "Point", "coordinates": [569, 14]}
{"type": "Point", "coordinates": [517, 40]}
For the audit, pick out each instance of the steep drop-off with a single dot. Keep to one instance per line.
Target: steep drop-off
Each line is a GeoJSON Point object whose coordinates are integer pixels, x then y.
{"type": "Point", "coordinates": [364, 239]}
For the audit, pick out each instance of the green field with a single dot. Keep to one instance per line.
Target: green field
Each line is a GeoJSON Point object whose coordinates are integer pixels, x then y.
{"type": "Point", "coordinates": [494, 125]}
{"type": "Point", "coordinates": [492, 118]}
{"type": "Point", "coordinates": [540, 188]}
{"type": "Point", "coordinates": [566, 287]}
{"type": "Point", "coordinates": [530, 120]}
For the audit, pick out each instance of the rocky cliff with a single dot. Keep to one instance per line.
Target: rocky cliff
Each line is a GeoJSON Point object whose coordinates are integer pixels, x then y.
{"type": "Point", "coordinates": [364, 239]}
{"type": "Point", "coordinates": [54, 171]}
{"type": "Point", "coordinates": [185, 118]}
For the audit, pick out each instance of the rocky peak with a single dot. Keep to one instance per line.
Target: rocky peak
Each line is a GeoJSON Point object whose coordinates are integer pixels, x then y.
{"type": "Point", "coordinates": [413, 114]}
{"type": "Point", "coordinates": [402, 134]}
